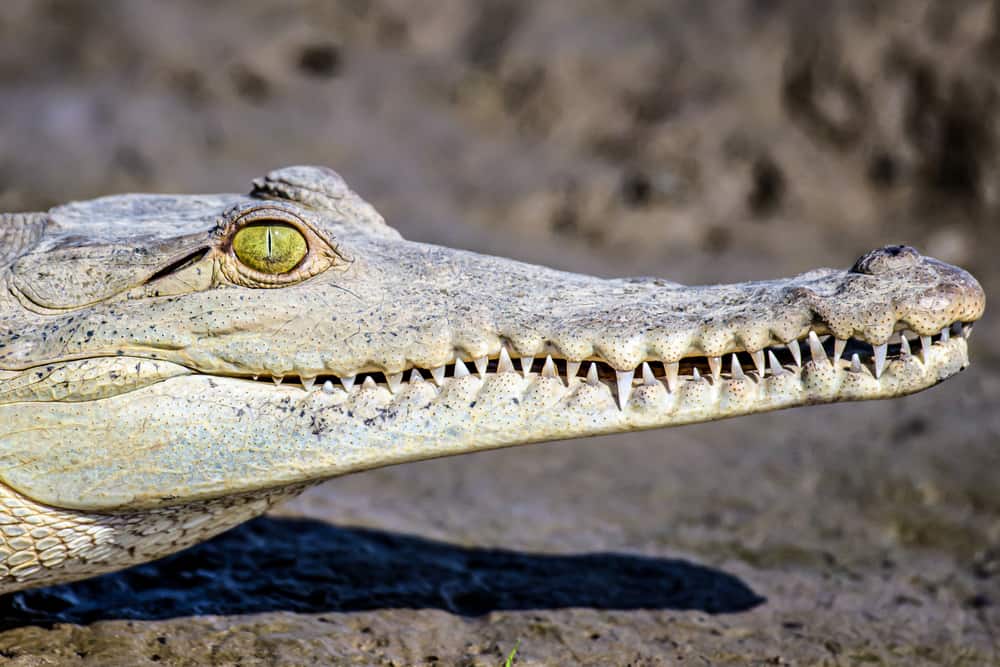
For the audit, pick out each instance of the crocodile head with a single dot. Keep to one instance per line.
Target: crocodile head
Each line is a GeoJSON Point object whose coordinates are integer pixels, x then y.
{"type": "Point", "coordinates": [162, 349]}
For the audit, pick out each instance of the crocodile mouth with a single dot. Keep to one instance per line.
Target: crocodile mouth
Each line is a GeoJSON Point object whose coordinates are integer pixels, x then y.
{"type": "Point", "coordinates": [793, 373]}
{"type": "Point", "coordinates": [851, 356]}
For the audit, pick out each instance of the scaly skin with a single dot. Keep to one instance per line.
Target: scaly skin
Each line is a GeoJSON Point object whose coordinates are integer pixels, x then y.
{"type": "Point", "coordinates": [137, 352]}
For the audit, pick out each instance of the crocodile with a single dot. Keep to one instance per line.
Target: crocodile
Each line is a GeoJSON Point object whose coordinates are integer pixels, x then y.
{"type": "Point", "coordinates": [171, 366]}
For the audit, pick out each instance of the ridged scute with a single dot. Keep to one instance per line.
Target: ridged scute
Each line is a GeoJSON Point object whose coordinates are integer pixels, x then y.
{"type": "Point", "coordinates": [18, 233]}
{"type": "Point", "coordinates": [320, 188]}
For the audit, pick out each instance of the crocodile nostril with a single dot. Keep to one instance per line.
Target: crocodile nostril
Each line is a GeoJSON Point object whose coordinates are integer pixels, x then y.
{"type": "Point", "coordinates": [888, 258]}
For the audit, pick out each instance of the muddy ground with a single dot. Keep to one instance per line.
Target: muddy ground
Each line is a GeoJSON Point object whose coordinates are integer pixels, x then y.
{"type": "Point", "coordinates": [697, 141]}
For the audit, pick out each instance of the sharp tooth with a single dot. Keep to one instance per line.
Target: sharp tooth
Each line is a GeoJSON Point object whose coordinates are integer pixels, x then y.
{"type": "Point", "coordinates": [415, 376]}
{"type": "Point", "coordinates": [348, 382]}
{"type": "Point", "coordinates": [737, 369]}
{"type": "Point", "coordinates": [672, 370]}
{"type": "Point", "coordinates": [945, 334]}
{"type": "Point", "coordinates": [549, 368]}
{"type": "Point", "coordinates": [461, 370]}
{"type": "Point", "coordinates": [715, 363]}
{"type": "Point", "coordinates": [328, 387]}
{"type": "Point", "coordinates": [526, 364]}
{"type": "Point", "coordinates": [307, 382]}
{"type": "Point", "coordinates": [695, 374]}
{"type": "Point", "coordinates": [482, 363]}
{"type": "Point", "coordinates": [838, 350]}
{"type": "Point", "coordinates": [904, 346]}
{"type": "Point", "coordinates": [966, 330]}
{"type": "Point", "coordinates": [438, 375]}
{"type": "Point", "coordinates": [816, 349]}
{"type": "Point", "coordinates": [395, 381]}
{"type": "Point", "coordinates": [925, 348]}
{"type": "Point", "coordinates": [592, 377]}
{"type": "Point", "coordinates": [255, 377]}
{"type": "Point", "coordinates": [505, 365]}
{"type": "Point", "coordinates": [776, 368]}
{"type": "Point", "coordinates": [572, 368]}
{"type": "Point", "coordinates": [624, 387]}
{"type": "Point", "coordinates": [647, 374]}
{"type": "Point", "coordinates": [796, 351]}
{"type": "Point", "coordinates": [369, 383]}
{"type": "Point", "coordinates": [880, 352]}
{"type": "Point", "coordinates": [277, 379]}
{"type": "Point", "coordinates": [758, 362]}
{"type": "Point", "coordinates": [855, 363]}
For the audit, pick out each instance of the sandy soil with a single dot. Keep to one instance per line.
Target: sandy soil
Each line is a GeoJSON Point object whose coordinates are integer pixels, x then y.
{"type": "Point", "coordinates": [697, 141]}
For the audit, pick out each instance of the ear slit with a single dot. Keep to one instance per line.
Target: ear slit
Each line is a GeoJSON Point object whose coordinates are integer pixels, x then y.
{"type": "Point", "coordinates": [181, 263]}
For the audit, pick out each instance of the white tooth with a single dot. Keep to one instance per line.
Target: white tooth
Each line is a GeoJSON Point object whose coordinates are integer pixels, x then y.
{"type": "Point", "coordinates": [438, 375]}
{"type": "Point", "coordinates": [255, 377]}
{"type": "Point", "coordinates": [624, 387]}
{"type": "Point", "coordinates": [415, 376]}
{"type": "Point", "coordinates": [945, 334]}
{"type": "Point", "coordinates": [395, 381]}
{"type": "Point", "coordinates": [855, 363]}
{"type": "Point", "coordinates": [592, 377]}
{"type": "Point", "coordinates": [482, 363]}
{"type": "Point", "coordinates": [695, 374]}
{"type": "Point", "coordinates": [715, 363]}
{"type": "Point", "coordinates": [672, 370]}
{"type": "Point", "coordinates": [838, 350]}
{"type": "Point", "coordinates": [348, 382]}
{"type": "Point", "coordinates": [369, 383]}
{"type": "Point", "coordinates": [549, 368]}
{"type": "Point", "coordinates": [277, 379]}
{"type": "Point", "coordinates": [880, 352]}
{"type": "Point", "coordinates": [328, 387]}
{"type": "Point", "coordinates": [904, 346]}
{"type": "Point", "coordinates": [461, 370]}
{"type": "Point", "coordinates": [737, 369]}
{"type": "Point", "coordinates": [758, 362]}
{"type": "Point", "coordinates": [526, 364]}
{"type": "Point", "coordinates": [307, 382]}
{"type": "Point", "coordinates": [505, 365]}
{"type": "Point", "coordinates": [572, 368]}
{"type": "Point", "coordinates": [796, 351]}
{"type": "Point", "coordinates": [776, 368]}
{"type": "Point", "coordinates": [816, 349]}
{"type": "Point", "coordinates": [966, 330]}
{"type": "Point", "coordinates": [925, 348]}
{"type": "Point", "coordinates": [647, 374]}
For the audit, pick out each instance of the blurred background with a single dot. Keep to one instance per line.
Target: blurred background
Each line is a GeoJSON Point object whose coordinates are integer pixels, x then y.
{"type": "Point", "coordinates": [698, 141]}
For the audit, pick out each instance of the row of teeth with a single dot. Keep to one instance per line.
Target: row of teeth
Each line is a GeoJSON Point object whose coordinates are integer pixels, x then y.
{"type": "Point", "coordinates": [764, 362]}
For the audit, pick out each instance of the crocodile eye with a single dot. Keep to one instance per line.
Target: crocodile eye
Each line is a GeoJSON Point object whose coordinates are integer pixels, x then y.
{"type": "Point", "coordinates": [271, 248]}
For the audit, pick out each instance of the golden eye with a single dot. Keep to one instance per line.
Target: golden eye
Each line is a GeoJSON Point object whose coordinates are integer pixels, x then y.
{"type": "Point", "coordinates": [270, 247]}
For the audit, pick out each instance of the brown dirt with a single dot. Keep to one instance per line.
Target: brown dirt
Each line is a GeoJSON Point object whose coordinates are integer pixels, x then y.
{"type": "Point", "coordinates": [697, 141]}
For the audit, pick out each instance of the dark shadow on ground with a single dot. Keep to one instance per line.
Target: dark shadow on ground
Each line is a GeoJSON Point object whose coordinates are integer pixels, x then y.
{"type": "Point", "coordinates": [275, 564]}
